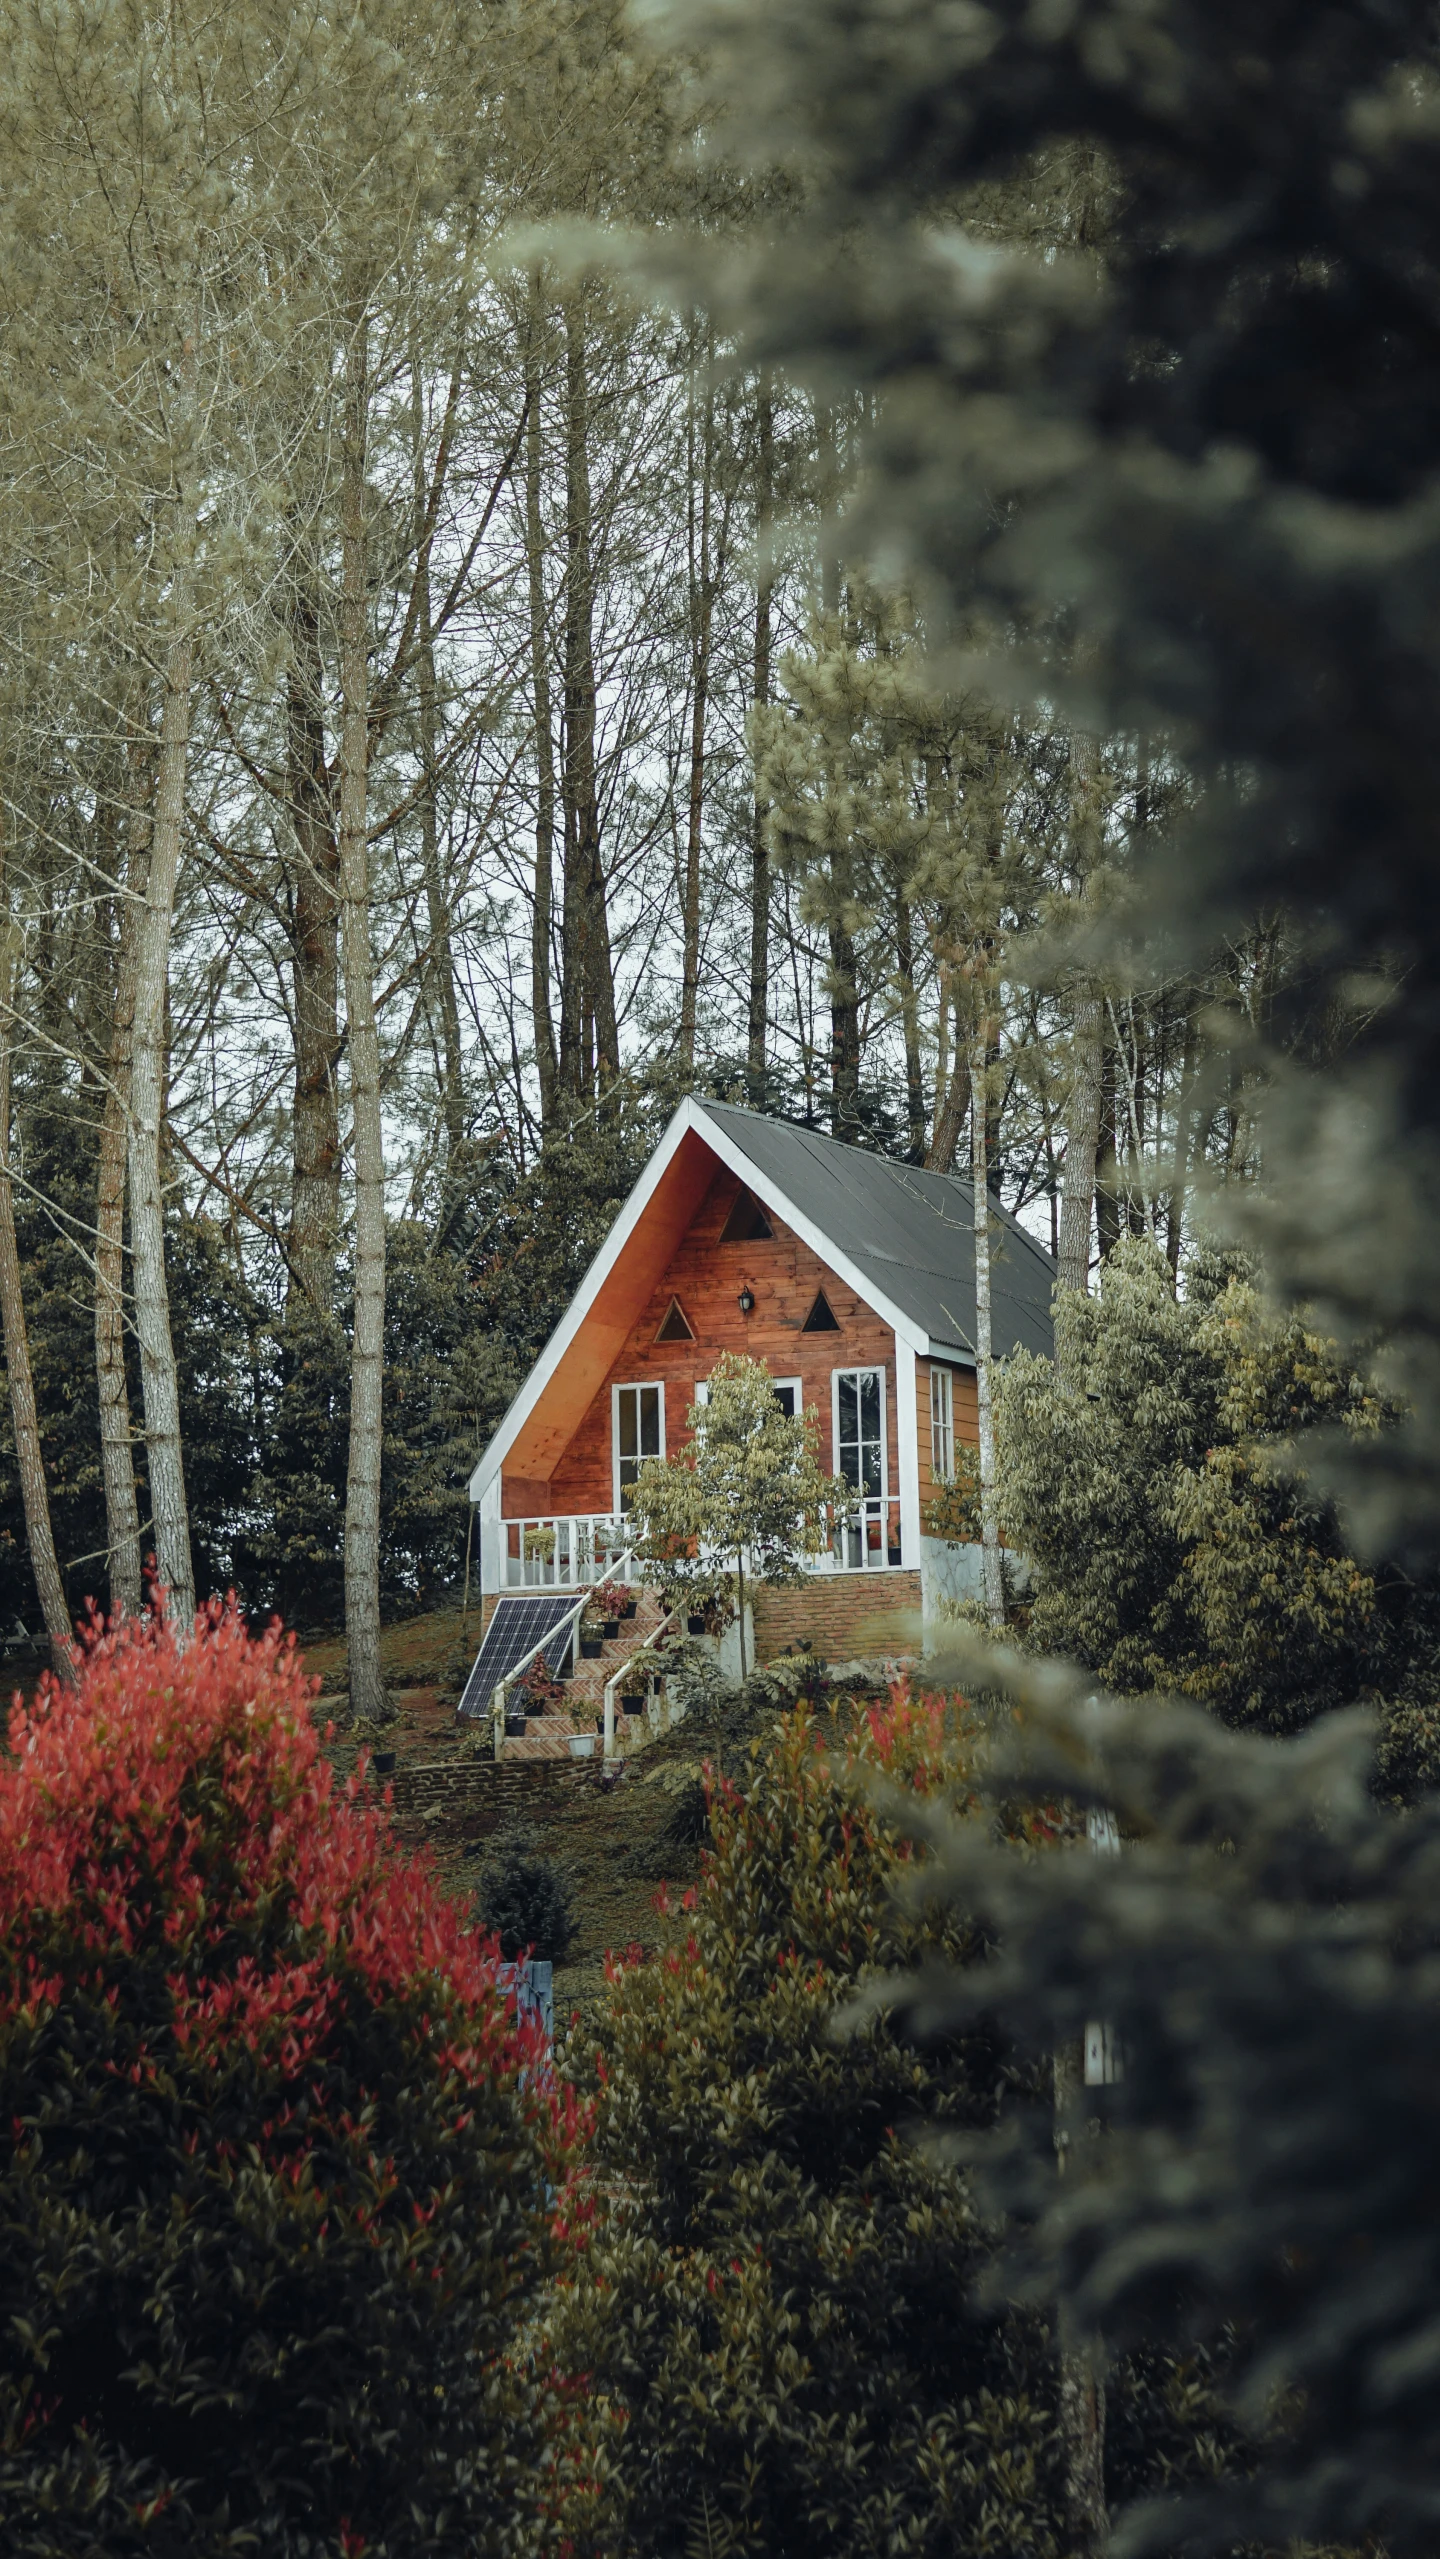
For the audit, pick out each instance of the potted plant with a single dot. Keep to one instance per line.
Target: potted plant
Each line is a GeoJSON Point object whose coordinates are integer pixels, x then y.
{"type": "Point", "coordinates": [591, 1637]}
{"type": "Point", "coordinates": [612, 1602]}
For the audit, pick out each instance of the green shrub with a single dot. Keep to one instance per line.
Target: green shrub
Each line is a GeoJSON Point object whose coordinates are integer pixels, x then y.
{"type": "Point", "coordinates": [769, 2305]}
{"type": "Point", "coordinates": [525, 1902]}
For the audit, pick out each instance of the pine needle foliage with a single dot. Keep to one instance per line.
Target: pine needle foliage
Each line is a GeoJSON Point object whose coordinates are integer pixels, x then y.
{"type": "Point", "coordinates": [770, 2302]}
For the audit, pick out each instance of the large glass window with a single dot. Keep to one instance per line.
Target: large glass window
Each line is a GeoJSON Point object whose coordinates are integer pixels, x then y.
{"type": "Point", "coordinates": [639, 1433]}
{"type": "Point", "coordinates": [860, 1429]}
{"type": "Point", "coordinates": [942, 1425]}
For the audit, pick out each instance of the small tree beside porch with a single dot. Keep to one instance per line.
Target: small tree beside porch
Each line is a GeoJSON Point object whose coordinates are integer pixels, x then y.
{"type": "Point", "coordinates": [746, 1496]}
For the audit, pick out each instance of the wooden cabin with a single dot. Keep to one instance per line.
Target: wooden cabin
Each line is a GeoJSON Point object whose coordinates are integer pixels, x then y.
{"type": "Point", "coordinates": [853, 1279]}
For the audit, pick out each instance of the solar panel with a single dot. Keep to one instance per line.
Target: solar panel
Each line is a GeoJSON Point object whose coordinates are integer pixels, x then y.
{"type": "Point", "coordinates": [520, 1620]}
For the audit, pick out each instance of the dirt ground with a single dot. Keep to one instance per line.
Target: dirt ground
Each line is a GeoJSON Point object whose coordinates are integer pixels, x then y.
{"type": "Point", "coordinates": [615, 1843]}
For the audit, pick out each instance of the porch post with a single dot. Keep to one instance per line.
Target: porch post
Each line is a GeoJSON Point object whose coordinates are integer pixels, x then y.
{"type": "Point", "coordinates": [907, 1433]}
{"type": "Point", "coordinates": [491, 1538]}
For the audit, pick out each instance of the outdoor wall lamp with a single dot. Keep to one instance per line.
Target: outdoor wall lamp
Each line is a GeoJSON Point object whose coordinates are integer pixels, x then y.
{"type": "Point", "coordinates": [746, 1302]}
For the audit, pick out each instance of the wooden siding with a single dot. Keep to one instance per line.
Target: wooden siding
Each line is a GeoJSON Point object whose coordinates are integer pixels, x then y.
{"type": "Point", "coordinates": [707, 1277]}
{"type": "Point", "coordinates": [967, 1418]}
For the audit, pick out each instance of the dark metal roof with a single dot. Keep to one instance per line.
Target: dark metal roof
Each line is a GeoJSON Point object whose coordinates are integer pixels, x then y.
{"type": "Point", "coordinates": [910, 1233]}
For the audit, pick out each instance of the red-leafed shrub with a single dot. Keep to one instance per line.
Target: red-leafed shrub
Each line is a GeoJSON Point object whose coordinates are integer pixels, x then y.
{"type": "Point", "coordinates": [277, 2168]}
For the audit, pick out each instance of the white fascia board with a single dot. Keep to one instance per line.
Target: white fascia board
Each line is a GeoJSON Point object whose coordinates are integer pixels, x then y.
{"type": "Point", "coordinates": [738, 1162]}
{"type": "Point", "coordinates": [487, 1467]}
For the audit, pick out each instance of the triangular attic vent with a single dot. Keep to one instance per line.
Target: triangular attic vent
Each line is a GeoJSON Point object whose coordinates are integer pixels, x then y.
{"type": "Point", "coordinates": [675, 1328]}
{"type": "Point", "coordinates": [820, 1318]}
{"type": "Point", "coordinates": [747, 1222]}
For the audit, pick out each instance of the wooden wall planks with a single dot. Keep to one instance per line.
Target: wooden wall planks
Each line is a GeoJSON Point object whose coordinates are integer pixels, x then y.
{"type": "Point", "coordinates": [707, 1277]}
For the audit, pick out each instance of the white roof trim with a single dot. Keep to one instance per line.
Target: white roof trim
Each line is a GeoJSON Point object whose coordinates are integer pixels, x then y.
{"type": "Point", "coordinates": [690, 1115]}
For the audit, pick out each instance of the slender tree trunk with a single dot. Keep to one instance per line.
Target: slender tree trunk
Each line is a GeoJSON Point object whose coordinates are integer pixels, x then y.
{"type": "Point", "coordinates": [1082, 1138]}
{"type": "Point", "coordinates": [844, 1025]}
{"type": "Point", "coordinates": [758, 1022]}
{"type": "Point", "coordinates": [1184, 1125]}
{"type": "Point", "coordinates": [540, 1010]}
{"type": "Point", "coordinates": [315, 969]}
{"type": "Point", "coordinates": [910, 1022]}
{"type": "Point", "coordinates": [437, 906]}
{"type": "Point", "coordinates": [164, 1463]}
{"type": "Point", "coordinates": [1081, 2408]}
{"type": "Point", "coordinates": [588, 986]}
{"type": "Point", "coordinates": [368, 1701]}
{"type": "Point", "coordinates": [117, 1460]}
{"type": "Point", "coordinates": [994, 1578]}
{"type": "Point", "coordinates": [1107, 1198]}
{"type": "Point", "coordinates": [30, 1464]}
{"type": "Point", "coordinates": [702, 614]}
{"type": "Point", "coordinates": [952, 1099]}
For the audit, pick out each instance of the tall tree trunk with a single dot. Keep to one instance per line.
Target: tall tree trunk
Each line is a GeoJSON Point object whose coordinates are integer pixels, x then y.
{"type": "Point", "coordinates": [587, 1012]}
{"type": "Point", "coordinates": [437, 906]}
{"type": "Point", "coordinates": [952, 1098]}
{"type": "Point", "coordinates": [30, 1465]}
{"type": "Point", "coordinates": [758, 1024]}
{"type": "Point", "coordinates": [844, 1029]}
{"type": "Point", "coordinates": [910, 1022]}
{"type": "Point", "coordinates": [702, 613]}
{"type": "Point", "coordinates": [1184, 1125]}
{"type": "Point", "coordinates": [164, 1461]}
{"type": "Point", "coordinates": [1082, 1138]}
{"type": "Point", "coordinates": [991, 1566]}
{"type": "Point", "coordinates": [540, 1010]}
{"type": "Point", "coordinates": [1107, 1193]}
{"type": "Point", "coordinates": [315, 968]}
{"type": "Point", "coordinates": [368, 1701]}
{"type": "Point", "coordinates": [117, 1461]}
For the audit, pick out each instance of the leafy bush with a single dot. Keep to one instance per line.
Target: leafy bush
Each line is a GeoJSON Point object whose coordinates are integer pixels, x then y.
{"type": "Point", "coordinates": [275, 2156]}
{"type": "Point", "coordinates": [525, 1902]}
{"type": "Point", "coordinates": [769, 2305]}
{"type": "Point", "coordinates": [1151, 1478]}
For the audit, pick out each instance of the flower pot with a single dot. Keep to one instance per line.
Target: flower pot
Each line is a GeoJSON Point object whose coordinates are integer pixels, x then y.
{"type": "Point", "coordinates": [582, 1745]}
{"type": "Point", "coordinates": [589, 1648]}
{"type": "Point", "coordinates": [383, 1762]}
{"type": "Point", "coordinates": [629, 1608]}
{"type": "Point", "coordinates": [633, 1705]}
{"type": "Point", "coordinates": [695, 1625]}
{"type": "Point", "coordinates": [609, 1630]}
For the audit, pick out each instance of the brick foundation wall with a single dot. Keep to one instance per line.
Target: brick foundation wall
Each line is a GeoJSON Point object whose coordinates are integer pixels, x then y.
{"type": "Point", "coordinates": [850, 1616]}
{"type": "Point", "coordinates": [483, 1795]}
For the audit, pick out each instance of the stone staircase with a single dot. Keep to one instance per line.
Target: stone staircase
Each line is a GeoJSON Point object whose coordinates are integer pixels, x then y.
{"type": "Point", "coordinates": [548, 1736]}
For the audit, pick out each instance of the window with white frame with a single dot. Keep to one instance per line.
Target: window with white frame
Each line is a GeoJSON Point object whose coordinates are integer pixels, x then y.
{"type": "Point", "coordinates": [860, 1429]}
{"type": "Point", "coordinates": [789, 1394]}
{"type": "Point", "coordinates": [637, 1432]}
{"type": "Point", "coordinates": [942, 1425]}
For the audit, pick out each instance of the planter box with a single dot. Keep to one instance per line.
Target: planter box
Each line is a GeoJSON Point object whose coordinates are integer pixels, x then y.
{"type": "Point", "coordinates": [590, 1648]}
{"type": "Point", "coordinates": [582, 1745]}
{"type": "Point", "coordinates": [632, 1705]}
{"type": "Point", "coordinates": [629, 1608]}
{"type": "Point", "coordinates": [609, 1630]}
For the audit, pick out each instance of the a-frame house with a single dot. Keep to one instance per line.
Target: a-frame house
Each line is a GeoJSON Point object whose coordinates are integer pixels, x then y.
{"type": "Point", "coordinates": [851, 1277]}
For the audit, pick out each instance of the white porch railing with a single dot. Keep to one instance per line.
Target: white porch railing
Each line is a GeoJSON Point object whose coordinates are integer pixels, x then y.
{"type": "Point", "coordinates": [863, 1540]}
{"type": "Point", "coordinates": [569, 1553]}
{"type": "Point", "coordinates": [564, 1553]}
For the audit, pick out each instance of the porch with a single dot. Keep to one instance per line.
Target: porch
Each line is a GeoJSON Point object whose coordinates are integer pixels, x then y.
{"type": "Point", "coordinates": [576, 1550]}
